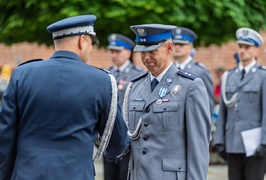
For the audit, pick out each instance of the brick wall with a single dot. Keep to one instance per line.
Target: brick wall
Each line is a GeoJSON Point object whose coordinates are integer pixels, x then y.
{"type": "Point", "coordinates": [213, 56]}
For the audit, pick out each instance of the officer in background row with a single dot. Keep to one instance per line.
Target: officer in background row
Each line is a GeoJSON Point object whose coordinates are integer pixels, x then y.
{"type": "Point", "coordinates": [53, 109]}
{"type": "Point", "coordinates": [120, 48]}
{"type": "Point", "coordinates": [183, 39]}
{"type": "Point", "coordinates": [243, 107]}
{"type": "Point", "coordinates": [167, 113]}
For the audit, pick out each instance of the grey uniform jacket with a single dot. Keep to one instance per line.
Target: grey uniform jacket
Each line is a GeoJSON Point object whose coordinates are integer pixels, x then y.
{"type": "Point", "coordinates": [248, 112]}
{"type": "Point", "coordinates": [123, 79]}
{"type": "Point", "coordinates": [174, 137]}
{"type": "Point", "coordinates": [204, 73]}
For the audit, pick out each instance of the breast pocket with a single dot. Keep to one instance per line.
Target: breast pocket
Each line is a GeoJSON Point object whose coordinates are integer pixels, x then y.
{"type": "Point", "coordinates": [166, 116]}
{"type": "Point", "coordinates": [135, 113]}
{"type": "Point", "coordinates": [174, 168]}
{"type": "Point", "coordinates": [230, 91]}
{"type": "Point", "coordinates": [251, 93]}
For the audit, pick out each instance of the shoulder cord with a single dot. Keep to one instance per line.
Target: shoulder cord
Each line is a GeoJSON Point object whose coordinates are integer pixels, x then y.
{"type": "Point", "coordinates": [231, 102]}
{"type": "Point", "coordinates": [110, 121]}
{"type": "Point", "coordinates": [136, 133]}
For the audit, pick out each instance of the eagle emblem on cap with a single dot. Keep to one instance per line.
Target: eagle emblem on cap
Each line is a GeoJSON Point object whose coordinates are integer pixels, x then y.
{"type": "Point", "coordinates": [113, 37]}
{"type": "Point", "coordinates": [178, 31]}
{"type": "Point", "coordinates": [142, 32]}
{"type": "Point", "coordinates": [245, 33]}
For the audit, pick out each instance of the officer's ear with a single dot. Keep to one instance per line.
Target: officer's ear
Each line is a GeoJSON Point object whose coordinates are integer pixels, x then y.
{"type": "Point", "coordinates": [84, 41]}
{"type": "Point", "coordinates": [169, 47]}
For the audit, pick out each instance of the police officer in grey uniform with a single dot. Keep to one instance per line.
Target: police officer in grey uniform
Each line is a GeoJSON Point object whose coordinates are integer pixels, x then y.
{"type": "Point", "coordinates": [167, 113]}
{"type": "Point", "coordinates": [183, 39]}
{"type": "Point", "coordinates": [243, 107]}
{"type": "Point", "coordinates": [123, 69]}
{"type": "Point", "coordinates": [120, 48]}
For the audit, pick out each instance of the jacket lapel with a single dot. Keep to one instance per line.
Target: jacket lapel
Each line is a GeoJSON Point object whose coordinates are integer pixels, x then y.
{"type": "Point", "coordinates": [164, 84]}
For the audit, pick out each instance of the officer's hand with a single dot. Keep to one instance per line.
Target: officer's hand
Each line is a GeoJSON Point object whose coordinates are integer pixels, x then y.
{"type": "Point", "coordinates": [97, 141]}
{"type": "Point", "coordinates": [260, 151]}
{"type": "Point", "coordinates": [220, 149]}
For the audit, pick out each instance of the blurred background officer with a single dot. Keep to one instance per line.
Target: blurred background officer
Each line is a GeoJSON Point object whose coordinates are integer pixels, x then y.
{"type": "Point", "coordinates": [183, 39]}
{"type": "Point", "coordinates": [123, 69]}
{"type": "Point", "coordinates": [6, 71]}
{"type": "Point", "coordinates": [120, 48]}
{"type": "Point", "coordinates": [53, 109]}
{"type": "Point", "coordinates": [243, 107]}
{"type": "Point", "coordinates": [167, 113]}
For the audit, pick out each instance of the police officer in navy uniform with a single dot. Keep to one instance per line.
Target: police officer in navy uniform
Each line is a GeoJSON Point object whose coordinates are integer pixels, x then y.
{"type": "Point", "coordinates": [167, 113]}
{"type": "Point", "coordinates": [183, 39]}
{"type": "Point", "coordinates": [120, 48]}
{"type": "Point", "coordinates": [243, 107]}
{"type": "Point", "coordinates": [53, 109]}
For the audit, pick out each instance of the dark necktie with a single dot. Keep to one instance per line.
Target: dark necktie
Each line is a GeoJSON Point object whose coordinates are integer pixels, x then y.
{"type": "Point", "coordinates": [243, 72]}
{"type": "Point", "coordinates": [154, 83]}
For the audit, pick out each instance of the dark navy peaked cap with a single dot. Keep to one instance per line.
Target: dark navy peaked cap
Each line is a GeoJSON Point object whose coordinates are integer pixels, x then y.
{"type": "Point", "coordinates": [72, 26]}
{"type": "Point", "coordinates": [249, 37]}
{"type": "Point", "coordinates": [119, 42]}
{"type": "Point", "coordinates": [149, 37]}
{"type": "Point", "coordinates": [182, 35]}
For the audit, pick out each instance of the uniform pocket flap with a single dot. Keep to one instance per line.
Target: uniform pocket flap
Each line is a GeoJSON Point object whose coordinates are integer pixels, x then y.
{"type": "Point", "coordinates": [136, 106]}
{"type": "Point", "coordinates": [165, 107]}
{"type": "Point", "coordinates": [231, 89]}
{"type": "Point", "coordinates": [251, 88]}
{"type": "Point", "coordinates": [171, 164]}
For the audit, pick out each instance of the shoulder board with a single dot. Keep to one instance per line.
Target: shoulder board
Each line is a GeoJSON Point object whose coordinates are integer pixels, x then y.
{"type": "Point", "coordinates": [29, 61]}
{"type": "Point", "coordinates": [140, 77]}
{"type": "Point", "coordinates": [200, 65]}
{"type": "Point", "coordinates": [137, 68]}
{"type": "Point", "coordinates": [186, 74]}
{"type": "Point", "coordinates": [262, 67]}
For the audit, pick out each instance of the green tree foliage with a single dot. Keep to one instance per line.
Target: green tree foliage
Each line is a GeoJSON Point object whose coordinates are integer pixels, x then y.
{"type": "Point", "coordinates": [215, 21]}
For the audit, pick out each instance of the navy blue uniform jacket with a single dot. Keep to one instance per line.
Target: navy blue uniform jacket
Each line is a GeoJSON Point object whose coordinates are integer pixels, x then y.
{"type": "Point", "coordinates": [51, 113]}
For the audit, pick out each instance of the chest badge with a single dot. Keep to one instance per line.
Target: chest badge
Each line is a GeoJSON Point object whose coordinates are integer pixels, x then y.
{"type": "Point", "coordinates": [176, 89]}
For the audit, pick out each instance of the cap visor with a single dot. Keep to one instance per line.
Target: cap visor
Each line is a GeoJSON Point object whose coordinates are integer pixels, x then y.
{"type": "Point", "coordinates": [177, 41]}
{"type": "Point", "coordinates": [143, 48]}
{"type": "Point", "coordinates": [246, 42]}
{"type": "Point", "coordinates": [119, 48]}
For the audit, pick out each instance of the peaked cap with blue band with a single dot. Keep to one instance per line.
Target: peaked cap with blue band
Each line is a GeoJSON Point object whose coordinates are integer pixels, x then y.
{"type": "Point", "coordinates": [73, 26]}
{"type": "Point", "coordinates": [149, 37]}
{"type": "Point", "coordinates": [119, 42]}
{"type": "Point", "coordinates": [182, 35]}
{"type": "Point", "coordinates": [249, 37]}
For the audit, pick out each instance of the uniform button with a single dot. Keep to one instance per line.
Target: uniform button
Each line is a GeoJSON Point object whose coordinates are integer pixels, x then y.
{"type": "Point", "coordinates": [145, 138]}
{"type": "Point", "coordinates": [146, 124]}
{"type": "Point", "coordinates": [147, 109]}
{"type": "Point", "coordinates": [179, 167]}
{"type": "Point", "coordinates": [144, 152]}
{"type": "Point", "coordinates": [164, 108]}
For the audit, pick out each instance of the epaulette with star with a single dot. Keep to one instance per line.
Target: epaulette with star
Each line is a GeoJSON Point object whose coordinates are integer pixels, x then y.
{"type": "Point", "coordinates": [186, 74]}
{"type": "Point", "coordinates": [30, 61]}
{"type": "Point", "coordinates": [140, 77]}
{"type": "Point", "coordinates": [262, 67]}
{"type": "Point", "coordinates": [200, 64]}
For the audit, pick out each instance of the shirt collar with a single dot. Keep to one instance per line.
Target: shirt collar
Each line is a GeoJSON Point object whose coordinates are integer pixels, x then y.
{"type": "Point", "coordinates": [160, 76]}
{"type": "Point", "coordinates": [123, 67]}
{"type": "Point", "coordinates": [184, 64]}
{"type": "Point", "coordinates": [247, 67]}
